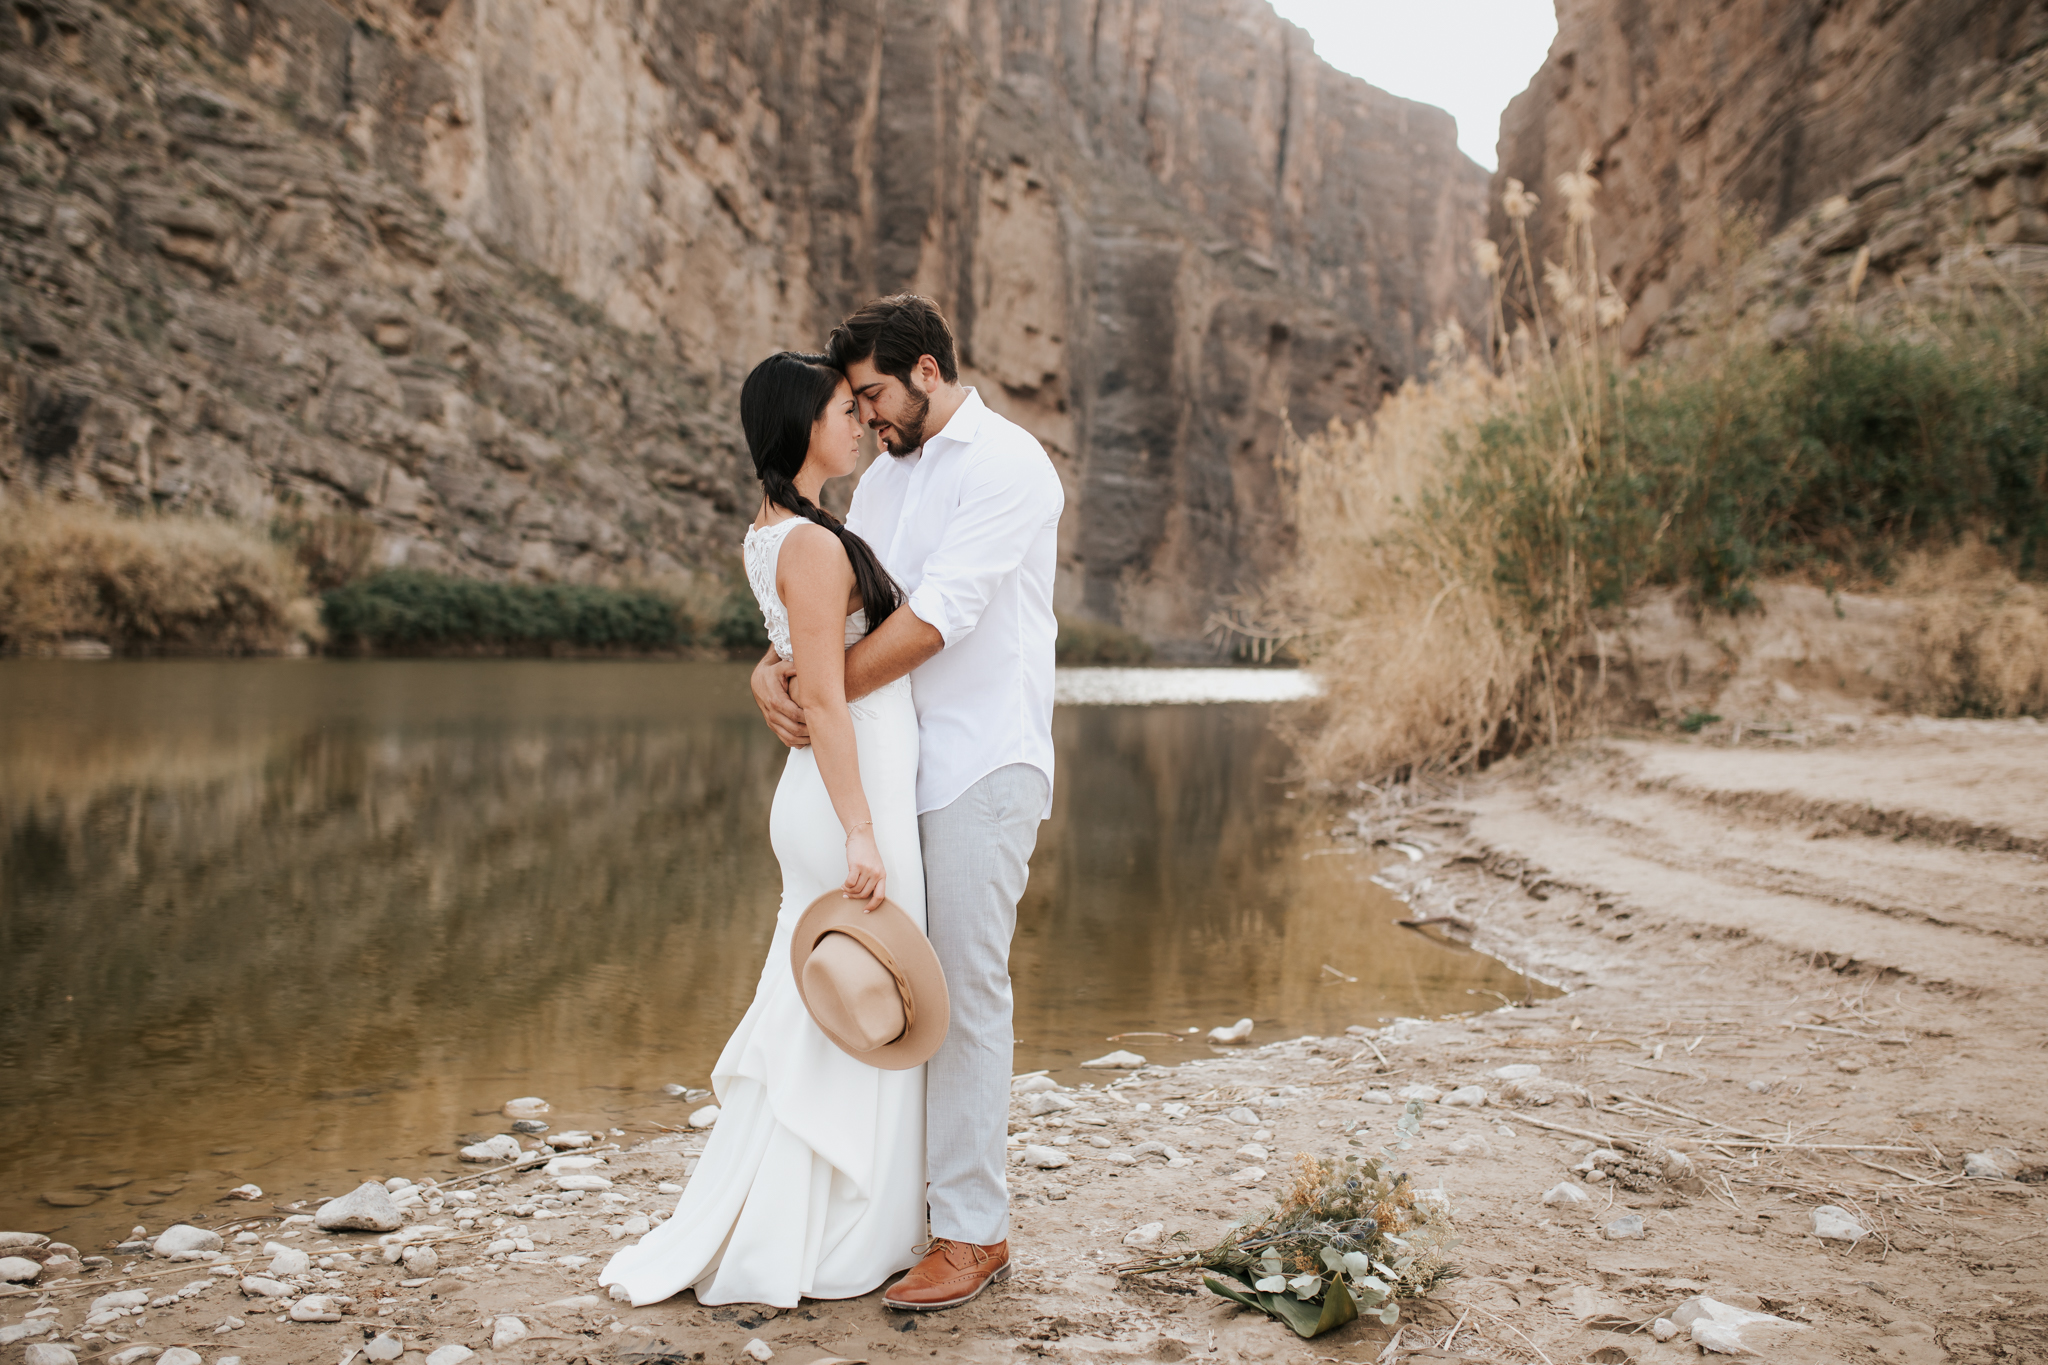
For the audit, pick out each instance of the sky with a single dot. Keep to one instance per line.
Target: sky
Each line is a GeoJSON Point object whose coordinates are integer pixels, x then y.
{"type": "Point", "coordinates": [1467, 56]}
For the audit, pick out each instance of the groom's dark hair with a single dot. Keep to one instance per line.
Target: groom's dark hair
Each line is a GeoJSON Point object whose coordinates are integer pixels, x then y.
{"type": "Point", "coordinates": [894, 332]}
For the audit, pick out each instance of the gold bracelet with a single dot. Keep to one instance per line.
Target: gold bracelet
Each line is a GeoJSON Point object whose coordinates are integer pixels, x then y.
{"type": "Point", "coordinates": [865, 824]}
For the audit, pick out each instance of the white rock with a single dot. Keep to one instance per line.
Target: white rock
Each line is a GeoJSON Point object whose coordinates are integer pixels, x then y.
{"type": "Point", "coordinates": [48, 1353]}
{"type": "Point", "coordinates": [1239, 1032]}
{"type": "Point", "coordinates": [366, 1208]}
{"type": "Point", "coordinates": [526, 1107]}
{"type": "Point", "coordinates": [120, 1298]}
{"type": "Point", "coordinates": [290, 1261]}
{"type": "Point", "coordinates": [1120, 1158]}
{"type": "Point", "coordinates": [1116, 1061]}
{"type": "Point", "coordinates": [22, 1331]}
{"type": "Point", "coordinates": [422, 1260]}
{"type": "Point", "coordinates": [10, 1241]}
{"type": "Point", "coordinates": [179, 1355]}
{"type": "Point", "coordinates": [1466, 1097]}
{"type": "Point", "coordinates": [639, 1225]}
{"type": "Point", "coordinates": [1995, 1163]}
{"type": "Point", "coordinates": [1567, 1194]}
{"type": "Point", "coordinates": [1428, 1094]}
{"type": "Point", "coordinates": [668, 1187]}
{"type": "Point", "coordinates": [507, 1331]}
{"type": "Point", "coordinates": [1045, 1158]}
{"type": "Point", "coordinates": [1175, 1111]}
{"type": "Point", "coordinates": [181, 1240]}
{"type": "Point", "coordinates": [1028, 1085]}
{"type": "Point", "coordinates": [1250, 1175]}
{"type": "Point", "coordinates": [1542, 1090]}
{"type": "Point", "coordinates": [1045, 1102]}
{"type": "Point", "coordinates": [1663, 1329]}
{"type": "Point", "coordinates": [264, 1287]}
{"type": "Point", "coordinates": [1252, 1151]}
{"type": "Point", "coordinates": [1834, 1224]}
{"type": "Point", "coordinates": [136, 1353]}
{"type": "Point", "coordinates": [1378, 1097]}
{"type": "Point", "coordinates": [1243, 1117]}
{"type": "Point", "coordinates": [1728, 1330]}
{"type": "Point", "coordinates": [1518, 1071]}
{"type": "Point", "coordinates": [1145, 1235]}
{"type": "Point", "coordinates": [1626, 1228]}
{"type": "Point", "coordinates": [705, 1117]}
{"type": "Point", "coordinates": [384, 1346]}
{"type": "Point", "coordinates": [758, 1349]}
{"type": "Point", "coordinates": [316, 1308]}
{"type": "Point", "coordinates": [573, 1138]}
{"type": "Point", "coordinates": [582, 1182]}
{"type": "Point", "coordinates": [564, 1165]}
{"type": "Point", "coordinates": [503, 1147]}
{"type": "Point", "coordinates": [1466, 1146]}
{"type": "Point", "coordinates": [19, 1269]}
{"type": "Point", "coordinates": [451, 1354]}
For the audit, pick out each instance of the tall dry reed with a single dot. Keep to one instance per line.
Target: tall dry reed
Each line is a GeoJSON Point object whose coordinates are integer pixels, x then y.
{"type": "Point", "coordinates": [144, 584]}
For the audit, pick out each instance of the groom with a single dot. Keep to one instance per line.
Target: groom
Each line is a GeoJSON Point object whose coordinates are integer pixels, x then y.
{"type": "Point", "coordinates": [965, 514]}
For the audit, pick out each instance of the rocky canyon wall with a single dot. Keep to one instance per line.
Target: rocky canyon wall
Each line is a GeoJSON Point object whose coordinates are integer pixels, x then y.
{"type": "Point", "coordinates": [1912, 128]}
{"type": "Point", "coordinates": [487, 272]}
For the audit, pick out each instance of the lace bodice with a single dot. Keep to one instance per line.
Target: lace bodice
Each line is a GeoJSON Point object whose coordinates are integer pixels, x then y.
{"type": "Point", "coordinates": [761, 549]}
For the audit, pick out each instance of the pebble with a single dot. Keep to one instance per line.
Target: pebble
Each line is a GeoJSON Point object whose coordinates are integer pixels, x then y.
{"type": "Point", "coordinates": [179, 1355]}
{"type": "Point", "coordinates": [422, 1260]}
{"type": "Point", "coordinates": [69, 1199]}
{"type": "Point", "coordinates": [1567, 1194]}
{"type": "Point", "coordinates": [582, 1182]}
{"type": "Point", "coordinates": [1378, 1097]}
{"type": "Point", "coordinates": [564, 1165]}
{"type": "Point", "coordinates": [384, 1346]}
{"type": "Point", "coordinates": [452, 1354]}
{"type": "Point", "coordinates": [10, 1241]}
{"type": "Point", "coordinates": [290, 1261]}
{"type": "Point", "coordinates": [263, 1286]}
{"type": "Point", "coordinates": [1252, 1151]}
{"type": "Point", "coordinates": [1627, 1228]}
{"type": "Point", "coordinates": [48, 1353]}
{"type": "Point", "coordinates": [1045, 1158]}
{"type": "Point", "coordinates": [668, 1187]}
{"type": "Point", "coordinates": [1145, 1235]}
{"type": "Point", "coordinates": [1175, 1111]}
{"type": "Point", "coordinates": [1852, 1065]}
{"type": "Point", "coordinates": [503, 1147]}
{"type": "Point", "coordinates": [19, 1269]}
{"type": "Point", "coordinates": [1098, 1140]}
{"type": "Point", "coordinates": [1724, 1328]}
{"type": "Point", "coordinates": [1466, 1146]}
{"type": "Point", "coordinates": [758, 1349]}
{"type": "Point", "coordinates": [1467, 1097]}
{"type": "Point", "coordinates": [507, 1331]}
{"type": "Point", "coordinates": [134, 1354]}
{"type": "Point", "coordinates": [1244, 1116]}
{"type": "Point", "coordinates": [705, 1117]}
{"type": "Point", "coordinates": [573, 1139]}
{"type": "Point", "coordinates": [1045, 1102]}
{"type": "Point", "coordinates": [1120, 1158]}
{"type": "Point", "coordinates": [21, 1331]}
{"type": "Point", "coordinates": [639, 1225]}
{"type": "Point", "coordinates": [526, 1107]}
{"type": "Point", "coordinates": [1029, 1085]}
{"type": "Point", "coordinates": [1995, 1163]}
{"type": "Point", "coordinates": [183, 1242]}
{"type": "Point", "coordinates": [316, 1308]}
{"type": "Point", "coordinates": [1250, 1175]}
{"type": "Point", "coordinates": [1663, 1329]}
{"type": "Point", "coordinates": [1116, 1061]}
{"type": "Point", "coordinates": [1519, 1071]}
{"type": "Point", "coordinates": [531, 1127]}
{"type": "Point", "coordinates": [1833, 1224]}
{"type": "Point", "coordinates": [1239, 1032]}
{"type": "Point", "coordinates": [1428, 1094]}
{"type": "Point", "coordinates": [1762, 1087]}
{"type": "Point", "coordinates": [366, 1208]}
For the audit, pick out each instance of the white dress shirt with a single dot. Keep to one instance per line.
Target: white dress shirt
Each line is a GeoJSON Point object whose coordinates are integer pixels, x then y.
{"type": "Point", "coordinates": [969, 526]}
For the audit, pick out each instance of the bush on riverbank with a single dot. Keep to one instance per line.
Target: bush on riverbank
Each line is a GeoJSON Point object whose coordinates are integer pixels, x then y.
{"type": "Point", "coordinates": [1084, 642]}
{"type": "Point", "coordinates": [407, 611]}
{"type": "Point", "coordinates": [1458, 551]}
{"type": "Point", "coordinates": [144, 583]}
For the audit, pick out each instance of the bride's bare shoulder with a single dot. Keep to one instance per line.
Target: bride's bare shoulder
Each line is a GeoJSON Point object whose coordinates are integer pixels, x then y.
{"type": "Point", "coordinates": [808, 549]}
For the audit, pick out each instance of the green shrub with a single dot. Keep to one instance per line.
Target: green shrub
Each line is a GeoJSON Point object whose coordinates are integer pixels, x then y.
{"type": "Point", "coordinates": [409, 611]}
{"type": "Point", "coordinates": [739, 628]}
{"type": "Point", "coordinates": [1082, 641]}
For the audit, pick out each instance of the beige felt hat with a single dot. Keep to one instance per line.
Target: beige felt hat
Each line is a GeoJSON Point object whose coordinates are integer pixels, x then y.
{"type": "Point", "coordinates": [871, 981]}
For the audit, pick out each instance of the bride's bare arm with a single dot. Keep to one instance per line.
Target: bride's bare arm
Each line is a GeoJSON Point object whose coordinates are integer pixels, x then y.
{"type": "Point", "coordinates": [816, 581]}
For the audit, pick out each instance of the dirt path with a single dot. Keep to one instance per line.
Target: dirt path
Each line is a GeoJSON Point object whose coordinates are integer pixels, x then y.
{"type": "Point", "coordinates": [1842, 945]}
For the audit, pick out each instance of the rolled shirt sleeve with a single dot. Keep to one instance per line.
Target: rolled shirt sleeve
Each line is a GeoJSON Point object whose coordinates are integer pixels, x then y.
{"type": "Point", "coordinates": [1004, 503]}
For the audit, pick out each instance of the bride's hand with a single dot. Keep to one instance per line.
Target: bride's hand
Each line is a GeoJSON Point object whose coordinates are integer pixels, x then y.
{"type": "Point", "coordinates": [865, 879]}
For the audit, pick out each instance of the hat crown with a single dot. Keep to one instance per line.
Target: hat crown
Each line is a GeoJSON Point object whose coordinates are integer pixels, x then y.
{"type": "Point", "coordinates": [852, 993]}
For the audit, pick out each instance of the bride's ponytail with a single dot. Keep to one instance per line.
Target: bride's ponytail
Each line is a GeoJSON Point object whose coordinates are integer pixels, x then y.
{"type": "Point", "coordinates": [781, 400]}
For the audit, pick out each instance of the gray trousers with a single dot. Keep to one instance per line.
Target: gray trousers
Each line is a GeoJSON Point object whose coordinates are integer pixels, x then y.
{"type": "Point", "coordinates": [977, 855]}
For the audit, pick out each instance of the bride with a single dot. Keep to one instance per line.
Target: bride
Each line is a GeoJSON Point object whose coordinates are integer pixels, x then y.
{"type": "Point", "coordinates": [813, 1182]}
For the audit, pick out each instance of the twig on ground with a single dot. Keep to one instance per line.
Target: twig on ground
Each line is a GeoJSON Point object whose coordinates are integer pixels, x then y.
{"type": "Point", "coordinates": [1517, 1331]}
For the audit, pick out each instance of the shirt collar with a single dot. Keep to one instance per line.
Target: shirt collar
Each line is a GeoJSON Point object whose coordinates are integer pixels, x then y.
{"type": "Point", "coordinates": [965, 424]}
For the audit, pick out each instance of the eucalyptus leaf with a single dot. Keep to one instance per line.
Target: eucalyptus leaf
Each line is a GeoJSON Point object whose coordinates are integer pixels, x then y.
{"type": "Point", "coordinates": [1336, 1260]}
{"type": "Point", "coordinates": [1272, 1284]}
{"type": "Point", "coordinates": [1391, 1314]}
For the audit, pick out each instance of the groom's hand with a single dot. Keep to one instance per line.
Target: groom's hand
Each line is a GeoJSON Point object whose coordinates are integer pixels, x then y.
{"type": "Point", "coordinates": [772, 682]}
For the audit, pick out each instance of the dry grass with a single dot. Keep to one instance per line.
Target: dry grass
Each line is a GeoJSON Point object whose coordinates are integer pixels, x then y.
{"type": "Point", "coordinates": [1979, 642]}
{"type": "Point", "coordinates": [145, 584]}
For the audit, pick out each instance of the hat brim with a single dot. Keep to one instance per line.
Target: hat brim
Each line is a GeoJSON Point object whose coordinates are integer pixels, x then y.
{"type": "Point", "coordinates": [914, 959]}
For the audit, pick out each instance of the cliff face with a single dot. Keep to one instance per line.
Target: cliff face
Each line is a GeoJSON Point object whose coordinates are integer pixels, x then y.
{"type": "Point", "coordinates": [487, 272]}
{"type": "Point", "coordinates": [1842, 123]}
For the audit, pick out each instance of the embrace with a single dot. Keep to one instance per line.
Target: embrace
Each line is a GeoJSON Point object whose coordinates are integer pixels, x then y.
{"type": "Point", "coordinates": [864, 1097]}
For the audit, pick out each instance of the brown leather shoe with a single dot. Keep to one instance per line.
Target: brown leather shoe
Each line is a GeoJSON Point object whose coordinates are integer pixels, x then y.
{"type": "Point", "coordinates": [950, 1274]}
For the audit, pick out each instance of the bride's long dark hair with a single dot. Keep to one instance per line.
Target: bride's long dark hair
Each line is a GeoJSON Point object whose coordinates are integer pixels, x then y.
{"type": "Point", "coordinates": [781, 401]}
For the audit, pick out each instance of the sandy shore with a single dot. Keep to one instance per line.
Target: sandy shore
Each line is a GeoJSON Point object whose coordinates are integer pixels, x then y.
{"type": "Point", "coordinates": [1774, 955]}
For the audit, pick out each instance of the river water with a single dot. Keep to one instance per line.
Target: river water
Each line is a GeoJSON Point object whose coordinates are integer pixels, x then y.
{"type": "Point", "coordinates": [301, 922]}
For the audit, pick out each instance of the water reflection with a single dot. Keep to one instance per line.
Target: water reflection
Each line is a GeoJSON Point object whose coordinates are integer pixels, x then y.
{"type": "Point", "coordinates": [282, 922]}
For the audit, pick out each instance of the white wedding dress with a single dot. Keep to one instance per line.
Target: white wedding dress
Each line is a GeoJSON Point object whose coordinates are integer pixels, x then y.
{"type": "Point", "coordinates": [813, 1183]}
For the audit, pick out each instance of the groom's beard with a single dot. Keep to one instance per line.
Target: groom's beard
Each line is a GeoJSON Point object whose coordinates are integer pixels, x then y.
{"type": "Point", "coordinates": [908, 436]}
